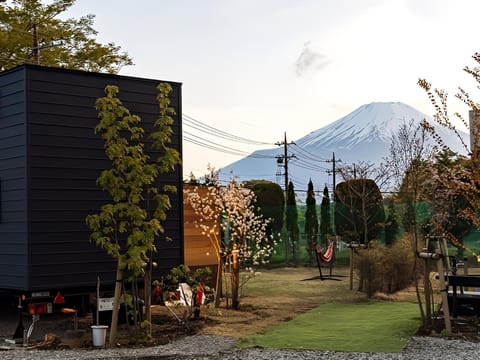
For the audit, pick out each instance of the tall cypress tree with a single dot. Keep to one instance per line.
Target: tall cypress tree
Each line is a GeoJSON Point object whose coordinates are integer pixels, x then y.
{"type": "Point", "coordinates": [311, 220]}
{"type": "Point", "coordinates": [292, 220]}
{"type": "Point", "coordinates": [325, 216]}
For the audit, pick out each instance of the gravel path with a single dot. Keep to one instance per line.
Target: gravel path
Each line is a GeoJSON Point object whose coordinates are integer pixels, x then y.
{"type": "Point", "coordinates": [202, 347]}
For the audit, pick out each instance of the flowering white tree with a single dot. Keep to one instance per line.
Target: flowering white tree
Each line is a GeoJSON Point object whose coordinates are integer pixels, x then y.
{"type": "Point", "coordinates": [238, 234]}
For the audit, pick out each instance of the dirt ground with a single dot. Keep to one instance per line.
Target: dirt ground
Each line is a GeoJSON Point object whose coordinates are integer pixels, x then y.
{"type": "Point", "coordinates": [272, 297]}
{"type": "Point", "coordinates": [269, 298]}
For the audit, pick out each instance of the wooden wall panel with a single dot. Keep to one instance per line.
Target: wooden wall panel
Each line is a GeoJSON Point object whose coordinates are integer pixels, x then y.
{"type": "Point", "coordinates": [199, 250]}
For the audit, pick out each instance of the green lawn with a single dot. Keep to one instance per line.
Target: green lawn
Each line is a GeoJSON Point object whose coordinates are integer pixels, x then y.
{"type": "Point", "coordinates": [362, 327]}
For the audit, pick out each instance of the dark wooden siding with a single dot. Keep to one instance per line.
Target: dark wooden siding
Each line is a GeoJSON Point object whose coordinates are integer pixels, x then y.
{"type": "Point", "coordinates": [13, 184]}
{"type": "Point", "coordinates": [65, 158]}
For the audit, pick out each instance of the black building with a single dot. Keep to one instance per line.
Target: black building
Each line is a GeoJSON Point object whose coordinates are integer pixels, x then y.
{"type": "Point", "coordinates": [50, 160]}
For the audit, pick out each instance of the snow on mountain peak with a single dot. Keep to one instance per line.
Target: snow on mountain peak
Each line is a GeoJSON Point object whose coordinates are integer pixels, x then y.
{"type": "Point", "coordinates": [373, 122]}
{"type": "Point", "coordinates": [364, 135]}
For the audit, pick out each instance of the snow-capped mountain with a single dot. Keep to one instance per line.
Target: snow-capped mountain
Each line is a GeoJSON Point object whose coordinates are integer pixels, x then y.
{"type": "Point", "coordinates": [364, 135]}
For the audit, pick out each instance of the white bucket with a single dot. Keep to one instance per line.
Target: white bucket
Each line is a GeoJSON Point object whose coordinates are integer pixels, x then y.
{"type": "Point", "coordinates": [99, 334]}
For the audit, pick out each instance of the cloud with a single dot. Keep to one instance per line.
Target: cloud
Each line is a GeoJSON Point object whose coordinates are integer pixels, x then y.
{"type": "Point", "coordinates": [310, 60]}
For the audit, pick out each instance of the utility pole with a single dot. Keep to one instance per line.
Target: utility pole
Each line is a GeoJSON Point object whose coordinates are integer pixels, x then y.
{"type": "Point", "coordinates": [37, 47]}
{"type": "Point", "coordinates": [334, 172]}
{"type": "Point", "coordinates": [284, 159]}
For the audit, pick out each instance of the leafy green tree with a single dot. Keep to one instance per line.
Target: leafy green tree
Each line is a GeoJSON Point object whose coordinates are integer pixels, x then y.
{"type": "Point", "coordinates": [33, 31]}
{"type": "Point", "coordinates": [311, 220]}
{"type": "Point", "coordinates": [292, 220]}
{"type": "Point", "coordinates": [128, 227]}
{"type": "Point", "coordinates": [325, 216]}
{"type": "Point", "coordinates": [411, 193]}
{"type": "Point", "coordinates": [270, 202]}
{"type": "Point", "coordinates": [391, 224]}
{"type": "Point", "coordinates": [448, 206]}
{"type": "Point", "coordinates": [359, 213]}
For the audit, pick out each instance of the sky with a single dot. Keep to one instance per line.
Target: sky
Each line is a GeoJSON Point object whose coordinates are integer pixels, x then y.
{"type": "Point", "coordinates": [260, 69]}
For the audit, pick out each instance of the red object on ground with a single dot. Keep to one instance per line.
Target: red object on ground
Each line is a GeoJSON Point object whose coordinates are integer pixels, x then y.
{"type": "Point", "coordinates": [158, 291]}
{"type": "Point", "coordinates": [199, 297]}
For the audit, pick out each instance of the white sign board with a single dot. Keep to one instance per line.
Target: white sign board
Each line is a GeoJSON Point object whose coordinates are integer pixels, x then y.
{"type": "Point", "coordinates": [105, 304]}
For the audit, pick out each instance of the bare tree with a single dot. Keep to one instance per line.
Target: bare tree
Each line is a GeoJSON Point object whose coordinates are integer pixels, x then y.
{"type": "Point", "coordinates": [367, 170]}
{"type": "Point", "coordinates": [461, 181]}
{"type": "Point", "coordinates": [409, 156]}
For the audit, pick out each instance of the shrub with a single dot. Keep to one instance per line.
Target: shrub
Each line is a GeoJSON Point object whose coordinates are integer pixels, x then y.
{"type": "Point", "coordinates": [385, 269]}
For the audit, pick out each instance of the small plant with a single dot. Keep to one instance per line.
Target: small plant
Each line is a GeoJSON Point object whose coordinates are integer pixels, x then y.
{"type": "Point", "coordinates": [246, 276]}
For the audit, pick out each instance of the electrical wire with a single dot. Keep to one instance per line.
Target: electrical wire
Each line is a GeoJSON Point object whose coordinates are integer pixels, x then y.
{"type": "Point", "coordinates": [309, 155]}
{"type": "Point", "coordinates": [199, 140]}
{"type": "Point", "coordinates": [192, 138]}
{"type": "Point", "coordinates": [196, 124]}
{"type": "Point", "coordinates": [305, 164]}
{"type": "Point", "coordinates": [211, 146]}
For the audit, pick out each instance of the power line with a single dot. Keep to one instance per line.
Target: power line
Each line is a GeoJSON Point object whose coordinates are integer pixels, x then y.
{"type": "Point", "coordinates": [198, 125]}
{"type": "Point", "coordinates": [301, 163]}
{"type": "Point", "coordinates": [212, 146]}
{"type": "Point", "coordinates": [305, 159]}
{"type": "Point", "coordinates": [192, 138]}
{"type": "Point", "coordinates": [308, 154]}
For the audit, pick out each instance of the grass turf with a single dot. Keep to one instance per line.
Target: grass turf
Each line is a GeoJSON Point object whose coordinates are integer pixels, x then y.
{"type": "Point", "coordinates": [361, 327]}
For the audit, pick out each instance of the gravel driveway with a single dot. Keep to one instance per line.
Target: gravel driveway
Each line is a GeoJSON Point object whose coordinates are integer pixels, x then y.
{"type": "Point", "coordinates": [221, 347]}
{"type": "Point", "coordinates": [217, 347]}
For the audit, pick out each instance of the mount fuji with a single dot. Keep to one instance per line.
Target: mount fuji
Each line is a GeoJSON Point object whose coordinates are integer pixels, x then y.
{"type": "Point", "coordinates": [364, 135]}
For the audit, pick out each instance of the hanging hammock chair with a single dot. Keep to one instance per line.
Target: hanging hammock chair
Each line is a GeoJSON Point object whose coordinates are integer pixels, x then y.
{"type": "Point", "coordinates": [324, 256]}
{"type": "Point", "coordinates": [327, 255]}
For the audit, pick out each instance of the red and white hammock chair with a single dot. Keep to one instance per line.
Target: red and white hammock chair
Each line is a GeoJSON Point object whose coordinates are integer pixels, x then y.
{"type": "Point", "coordinates": [325, 256]}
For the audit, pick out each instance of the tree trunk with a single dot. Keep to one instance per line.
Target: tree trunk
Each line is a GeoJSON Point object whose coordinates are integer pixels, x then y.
{"type": "Point", "coordinates": [351, 267]}
{"type": "Point", "coordinates": [147, 283]}
{"type": "Point", "coordinates": [218, 289]}
{"type": "Point", "coordinates": [235, 280]}
{"type": "Point", "coordinates": [364, 220]}
{"type": "Point", "coordinates": [293, 249]}
{"type": "Point", "coordinates": [116, 304]}
{"type": "Point", "coordinates": [427, 292]}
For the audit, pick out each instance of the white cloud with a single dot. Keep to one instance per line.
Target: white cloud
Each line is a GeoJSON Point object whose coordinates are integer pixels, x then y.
{"type": "Point", "coordinates": [310, 60]}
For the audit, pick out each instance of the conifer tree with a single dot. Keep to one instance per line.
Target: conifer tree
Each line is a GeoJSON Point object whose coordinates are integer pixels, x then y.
{"type": "Point", "coordinates": [292, 220]}
{"type": "Point", "coordinates": [311, 220]}
{"type": "Point", "coordinates": [325, 217]}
